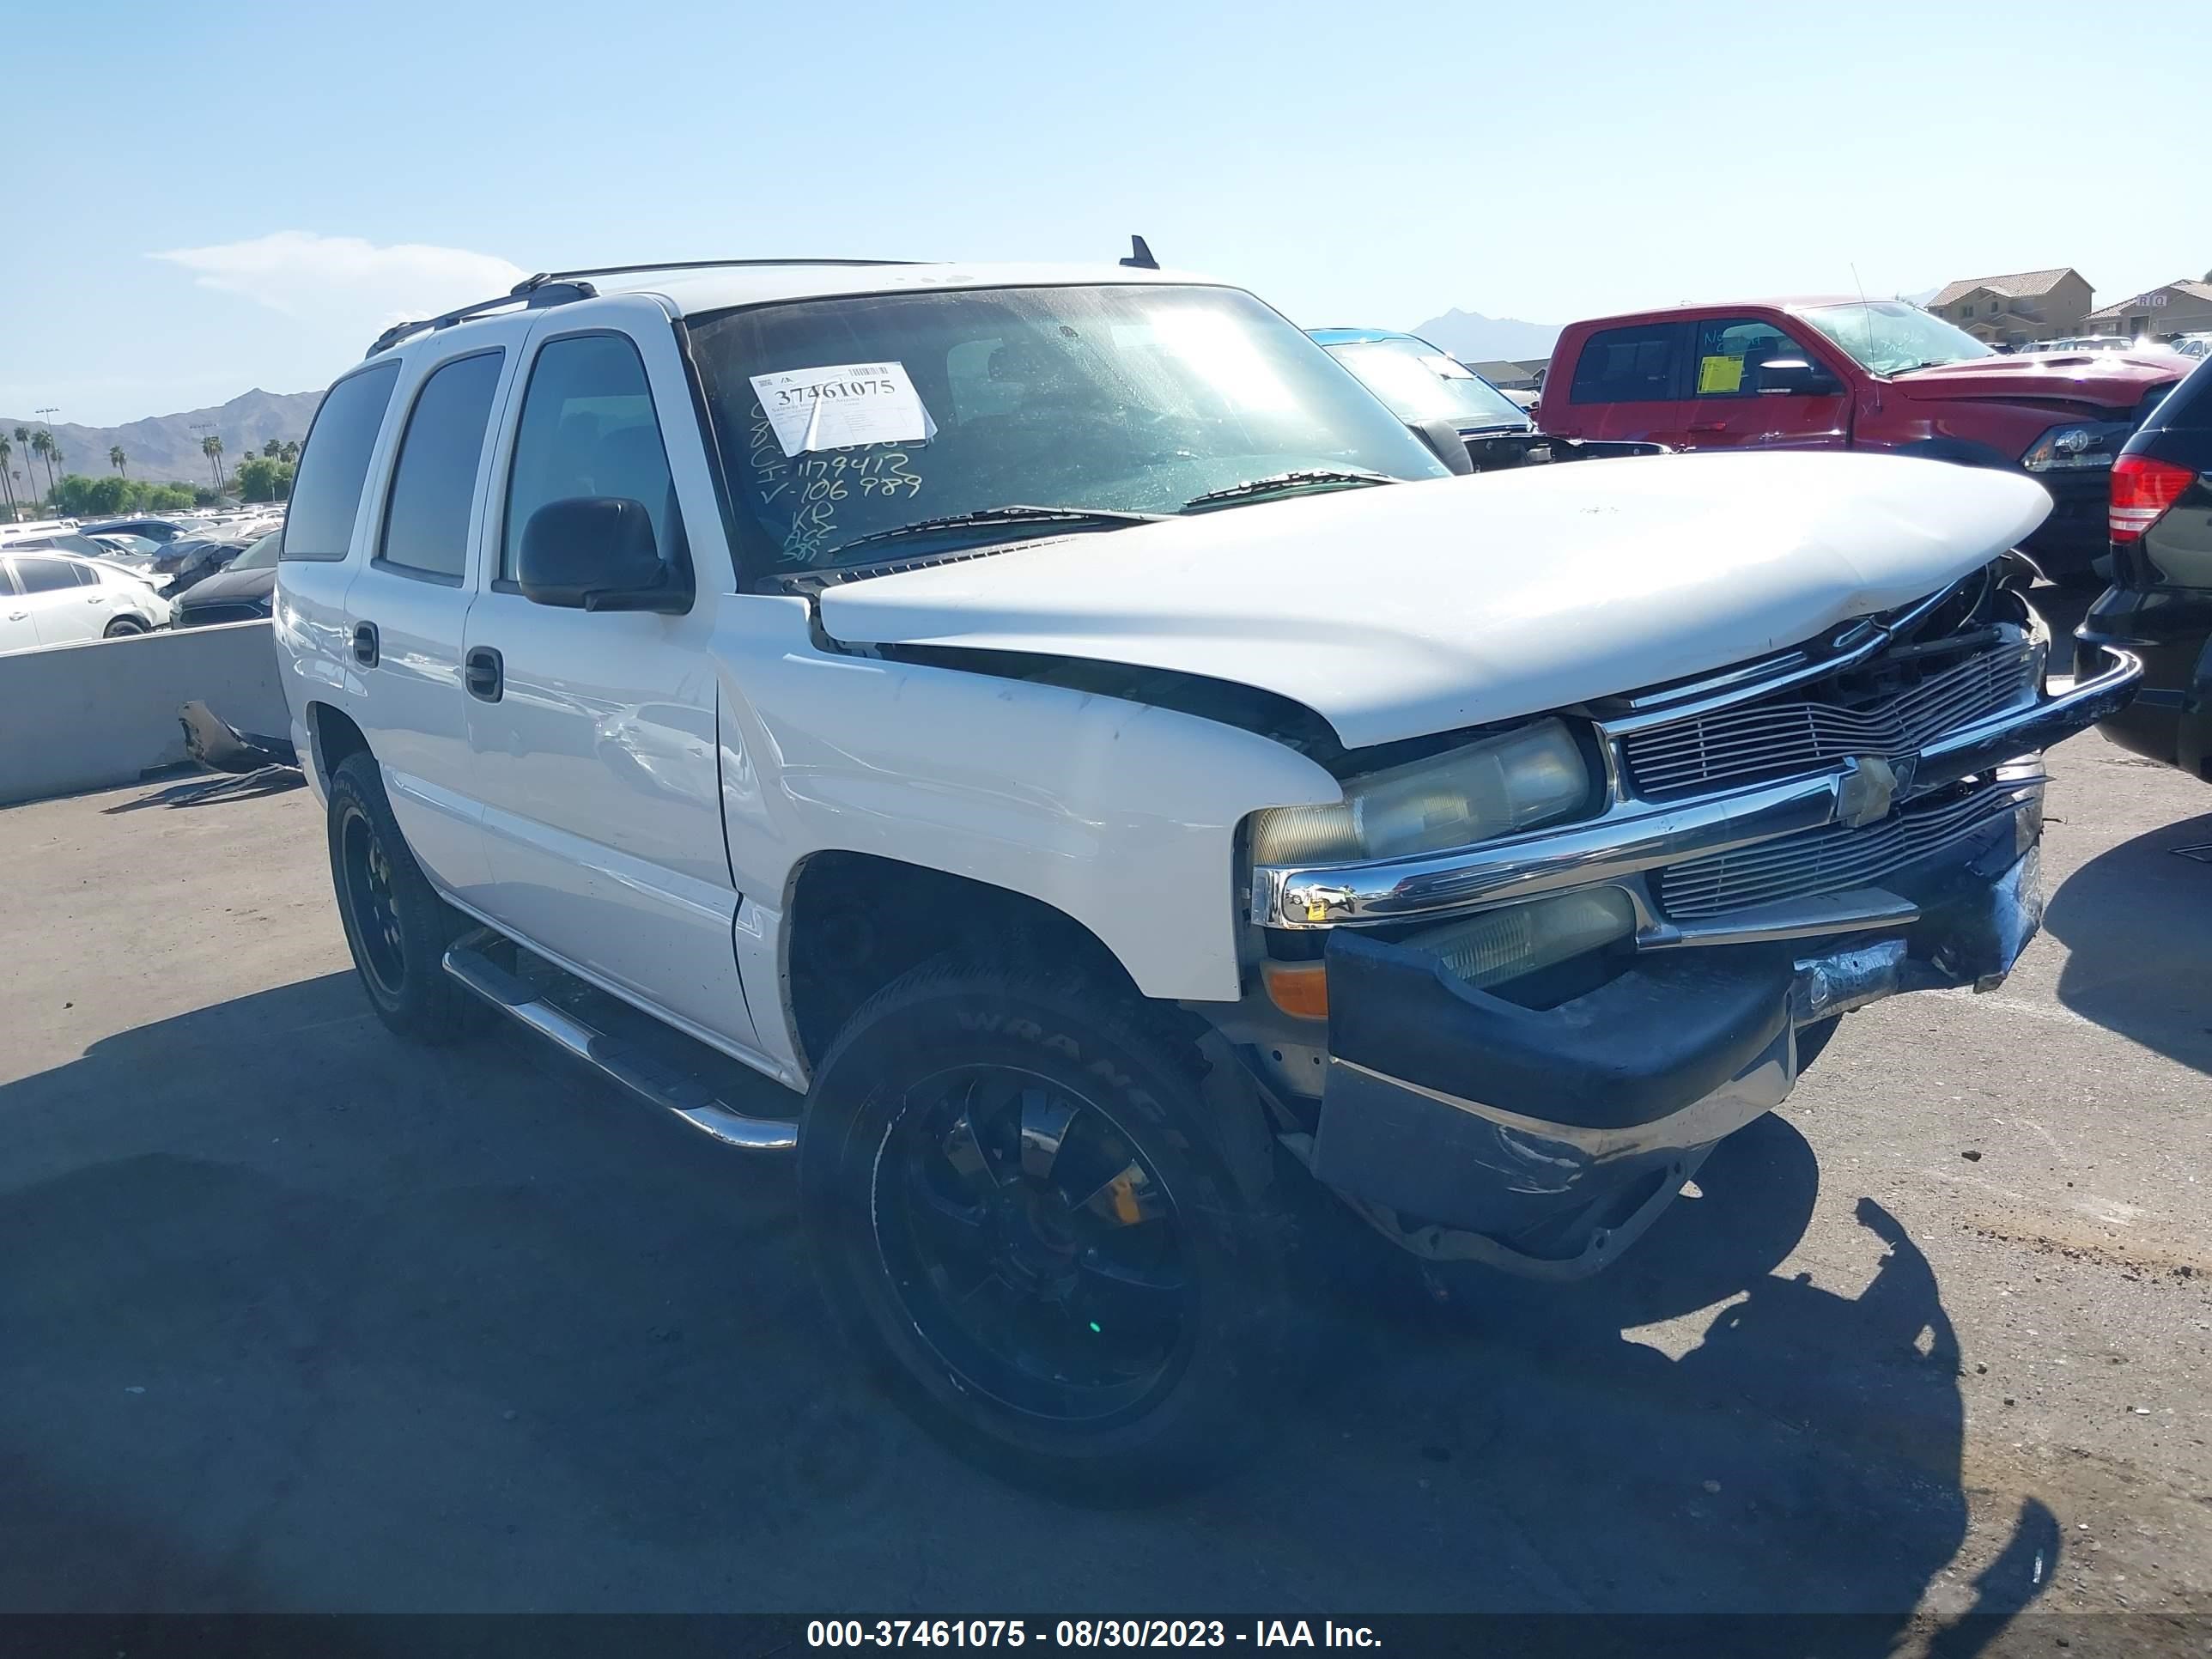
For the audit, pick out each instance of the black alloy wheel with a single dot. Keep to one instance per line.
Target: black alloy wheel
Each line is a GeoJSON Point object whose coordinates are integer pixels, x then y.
{"type": "Point", "coordinates": [1054, 1234]}
{"type": "Point", "coordinates": [1034, 1245]}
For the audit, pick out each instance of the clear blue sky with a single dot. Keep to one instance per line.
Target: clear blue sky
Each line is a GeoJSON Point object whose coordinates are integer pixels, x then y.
{"type": "Point", "coordinates": [323, 167]}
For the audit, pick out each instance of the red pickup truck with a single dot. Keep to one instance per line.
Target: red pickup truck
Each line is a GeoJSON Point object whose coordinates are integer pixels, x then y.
{"type": "Point", "coordinates": [1859, 374]}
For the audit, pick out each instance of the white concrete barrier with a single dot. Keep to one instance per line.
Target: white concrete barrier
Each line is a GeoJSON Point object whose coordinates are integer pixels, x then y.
{"type": "Point", "coordinates": [88, 716]}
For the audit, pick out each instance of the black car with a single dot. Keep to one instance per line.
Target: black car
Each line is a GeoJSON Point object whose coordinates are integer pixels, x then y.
{"type": "Point", "coordinates": [2160, 604]}
{"type": "Point", "coordinates": [154, 530]}
{"type": "Point", "coordinates": [200, 560]}
{"type": "Point", "coordinates": [241, 592]}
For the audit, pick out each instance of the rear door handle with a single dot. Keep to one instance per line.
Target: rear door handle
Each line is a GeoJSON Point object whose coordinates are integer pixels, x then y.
{"type": "Point", "coordinates": [366, 646]}
{"type": "Point", "coordinates": [1709, 426]}
{"type": "Point", "coordinates": [485, 672]}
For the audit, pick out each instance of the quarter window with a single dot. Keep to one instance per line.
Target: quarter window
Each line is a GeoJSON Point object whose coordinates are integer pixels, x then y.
{"type": "Point", "coordinates": [334, 465]}
{"type": "Point", "coordinates": [1627, 366]}
{"type": "Point", "coordinates": [433, 482]}
{"type": "Point", "coordinates": [588, 428]}
{"type": "Point", "coordinates": [1730, 350]}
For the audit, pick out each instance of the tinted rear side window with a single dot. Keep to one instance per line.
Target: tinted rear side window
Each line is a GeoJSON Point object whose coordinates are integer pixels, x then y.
{"type": "Point", "coordinates": [44, 575]}
{"type": "Point", "coordinates": [434, 482]}
{"type": "Point", "coordinates": [1627, 366]}
{"type": "Point", "coordinates": [334, 466]}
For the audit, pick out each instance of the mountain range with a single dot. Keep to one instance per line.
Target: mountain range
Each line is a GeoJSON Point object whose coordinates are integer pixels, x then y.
{"type": "Point", "coordinates": [1472, 337]}
{"type": "Point", "coordinates": [166, 447]}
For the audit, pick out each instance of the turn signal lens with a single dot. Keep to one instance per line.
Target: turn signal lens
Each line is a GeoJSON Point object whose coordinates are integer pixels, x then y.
{"type": "Point", "coordinates": [1300, 989]}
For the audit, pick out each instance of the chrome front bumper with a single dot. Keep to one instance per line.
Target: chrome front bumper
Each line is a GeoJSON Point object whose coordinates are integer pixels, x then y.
{"type": "Point", "coordinates": [1634, 836]}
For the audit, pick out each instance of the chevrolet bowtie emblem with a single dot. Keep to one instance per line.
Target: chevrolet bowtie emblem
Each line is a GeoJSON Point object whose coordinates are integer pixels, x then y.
{"type": "Point", "coordinates": [1870, 788]}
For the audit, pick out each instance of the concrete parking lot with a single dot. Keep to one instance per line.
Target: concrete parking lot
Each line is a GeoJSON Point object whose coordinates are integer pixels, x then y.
{"type": "Point", "coordinates": [295, 1317]}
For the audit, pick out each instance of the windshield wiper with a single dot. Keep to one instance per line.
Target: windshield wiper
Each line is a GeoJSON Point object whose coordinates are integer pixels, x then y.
{"type": "Point", "coordinates": [1104, 517]}
{"type": "Point", "coordinates": [1298, 479]}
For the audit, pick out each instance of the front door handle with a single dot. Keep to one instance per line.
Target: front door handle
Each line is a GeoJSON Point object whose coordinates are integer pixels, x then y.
{"type": "Point", "coordinates": [1709, 426]}
{"type": "Point", "coordinates": [484, 673]}
{"type": "Point", "coordinates": [17, 615]}
{"type": "Point", "coordinates": [366, 646]}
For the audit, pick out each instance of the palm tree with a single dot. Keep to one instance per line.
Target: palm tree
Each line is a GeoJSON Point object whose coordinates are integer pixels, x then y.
{"type": "Point", "coordinates": [290, 451]}
{"type": "Point", "coordinates": [7, 450]}
{"type": "Point", "coordinates": [43, 445]}
{"type": "Point", "coordinates": [211, 446]}
{"type": "Point", "coordinates": [117, 460]}
{"type": "Point", "coordinates": [271, 448]}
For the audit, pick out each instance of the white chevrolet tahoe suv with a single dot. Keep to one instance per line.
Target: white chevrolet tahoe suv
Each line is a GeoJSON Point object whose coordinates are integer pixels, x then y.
{"type": "Point", "coordinates": [1058, 725]}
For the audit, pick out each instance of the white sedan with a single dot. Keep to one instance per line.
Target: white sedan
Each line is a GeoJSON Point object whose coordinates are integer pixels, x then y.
{"type": "Point", "coordinates": [48, 598]}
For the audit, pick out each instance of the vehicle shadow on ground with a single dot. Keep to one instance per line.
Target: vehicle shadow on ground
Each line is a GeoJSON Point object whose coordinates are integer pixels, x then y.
{"type": "Point", "coordinates": [2136, 922]}
{"type": "Point", "coordinates": [296, 1317]}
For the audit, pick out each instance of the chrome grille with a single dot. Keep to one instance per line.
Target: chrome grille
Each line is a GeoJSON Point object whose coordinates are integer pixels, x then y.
{"type": "Point", "coordinates": [1828, 861]}
{"type": "Point", "coordinates": [1774, 739]}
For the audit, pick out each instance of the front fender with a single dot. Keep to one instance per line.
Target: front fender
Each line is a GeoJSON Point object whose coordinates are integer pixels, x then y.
{"type": "Point", "coordinates": [1121, 816]}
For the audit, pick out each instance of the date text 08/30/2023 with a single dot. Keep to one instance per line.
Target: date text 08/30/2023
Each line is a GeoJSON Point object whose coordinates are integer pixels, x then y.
{"type": "Point", "coordinates": [1087, 1633]}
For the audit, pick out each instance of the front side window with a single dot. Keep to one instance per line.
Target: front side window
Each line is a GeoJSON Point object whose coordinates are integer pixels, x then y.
{"type": "Point", "coordinates": [1418, 383]}
{"type": "Point", "coordinates": [334, 465]}
{"type": "Point", "coordinates": [433, 482]}
{"type": "Point", "coordinates": [1729, 351]}
{"type": "Point", "coordinates": [1117, 399]}
{"type": "Point", "coordinates": [1890, 337]}
{"type": "Point", "coordinates": [588, 429]}
{"type": "Point", "coordinates": [47, 575]}
{"type": "Point", "coordinates": [1626, 366]}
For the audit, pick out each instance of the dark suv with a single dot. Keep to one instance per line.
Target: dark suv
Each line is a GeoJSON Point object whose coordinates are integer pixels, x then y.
{"type": "Point", "coordinates": [2160, 604]}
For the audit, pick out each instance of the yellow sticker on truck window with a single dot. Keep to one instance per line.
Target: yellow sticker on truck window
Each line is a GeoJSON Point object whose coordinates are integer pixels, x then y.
{"type": "Point", "coordinates": [1720, 374]}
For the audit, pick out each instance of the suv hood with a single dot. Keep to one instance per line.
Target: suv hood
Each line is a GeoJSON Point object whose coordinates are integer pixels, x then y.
{"type": "Point", "coordinates": [1399, 611]}
{"type": "Point", "coordinates": [2108, 380]}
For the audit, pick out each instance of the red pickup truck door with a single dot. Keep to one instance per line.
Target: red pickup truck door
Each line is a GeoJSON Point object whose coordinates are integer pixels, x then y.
{"type": "Point", "coordinates": [1743, 395]}
{"type": "Point", "coordinates": [1627, 382]}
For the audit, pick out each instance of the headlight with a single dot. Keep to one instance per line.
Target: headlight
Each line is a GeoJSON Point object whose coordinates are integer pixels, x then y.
{"type": "Point", "coordinates": [1502, 945]}
{"type": "Point", "coordinates": [1531, 776]}
{"type": "Point", "coordinates": [2077, 446]}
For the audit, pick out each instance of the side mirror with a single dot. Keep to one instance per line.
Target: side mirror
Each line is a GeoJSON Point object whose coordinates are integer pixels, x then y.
{"type": "Point", "coordinates": [597, 553]}
{"type": "Point", "coordinates": [1794, 377]}
{"type": "Point", "coordinates": [1445, 443]}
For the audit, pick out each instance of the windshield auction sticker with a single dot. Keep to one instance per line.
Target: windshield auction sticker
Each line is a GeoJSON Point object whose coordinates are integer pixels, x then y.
{"type": "Point", "coordinates": [843, 406]}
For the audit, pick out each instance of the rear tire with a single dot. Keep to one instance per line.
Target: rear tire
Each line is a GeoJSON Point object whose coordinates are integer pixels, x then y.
{"type": "Point", "coordinates": [1022, 1215]}
{"type": "Point", "coordinates": [396, 925]}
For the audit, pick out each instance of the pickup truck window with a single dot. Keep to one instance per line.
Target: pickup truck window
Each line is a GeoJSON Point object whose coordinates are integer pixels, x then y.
{"type": "Point", "coordinates": [588, 428]}
{"type": "Point", "coordinates": [1892, 337]}
{"type": "Point", "coordinates": [1126, 399]}
{"type": "Point", "coordinates": [434, 482]}
{"type": "Point", "coordinates": [1729, 351]}
{"type": "Point", "coordinates": [1627, 365]}
{"type": "Point", "coordinates": [334, 465]}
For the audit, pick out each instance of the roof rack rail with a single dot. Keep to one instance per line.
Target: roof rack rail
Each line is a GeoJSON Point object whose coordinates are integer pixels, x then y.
{"type": "Point", "coordinates": [553, 288]}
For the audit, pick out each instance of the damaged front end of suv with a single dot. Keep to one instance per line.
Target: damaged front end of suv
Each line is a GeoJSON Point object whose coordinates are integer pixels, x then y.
{"type": "Point", "coordinates": [1513, 993]}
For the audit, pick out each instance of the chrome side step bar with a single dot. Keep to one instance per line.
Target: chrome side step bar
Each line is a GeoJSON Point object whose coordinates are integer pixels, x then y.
{"type": "Point", "coordinates": [621, 1062]}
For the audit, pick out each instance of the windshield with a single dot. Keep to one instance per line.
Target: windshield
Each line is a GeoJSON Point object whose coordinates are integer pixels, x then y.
{"type": "Point", "coordinates": [846, 418]}
{"type": "Point", "coordinates": [262, 555]}
{"type": "Point", "coordinates": [1420, 383]}
{"type": "Point", "coordinates": [1890, 337]}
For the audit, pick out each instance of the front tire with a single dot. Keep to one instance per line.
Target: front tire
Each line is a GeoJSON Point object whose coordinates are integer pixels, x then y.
{"type": "Point", "coordinates": [124, 628]}
{"type": "Point", "coordinates": [396, 925]}
{"type": "Point", "coordinates": [1024, 1216]}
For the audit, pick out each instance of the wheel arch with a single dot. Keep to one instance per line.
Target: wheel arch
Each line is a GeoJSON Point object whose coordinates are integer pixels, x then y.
{"type": "Point", "coordinates": [855, 921]}
{"type": "Point", "coordinates": [332, 735]}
